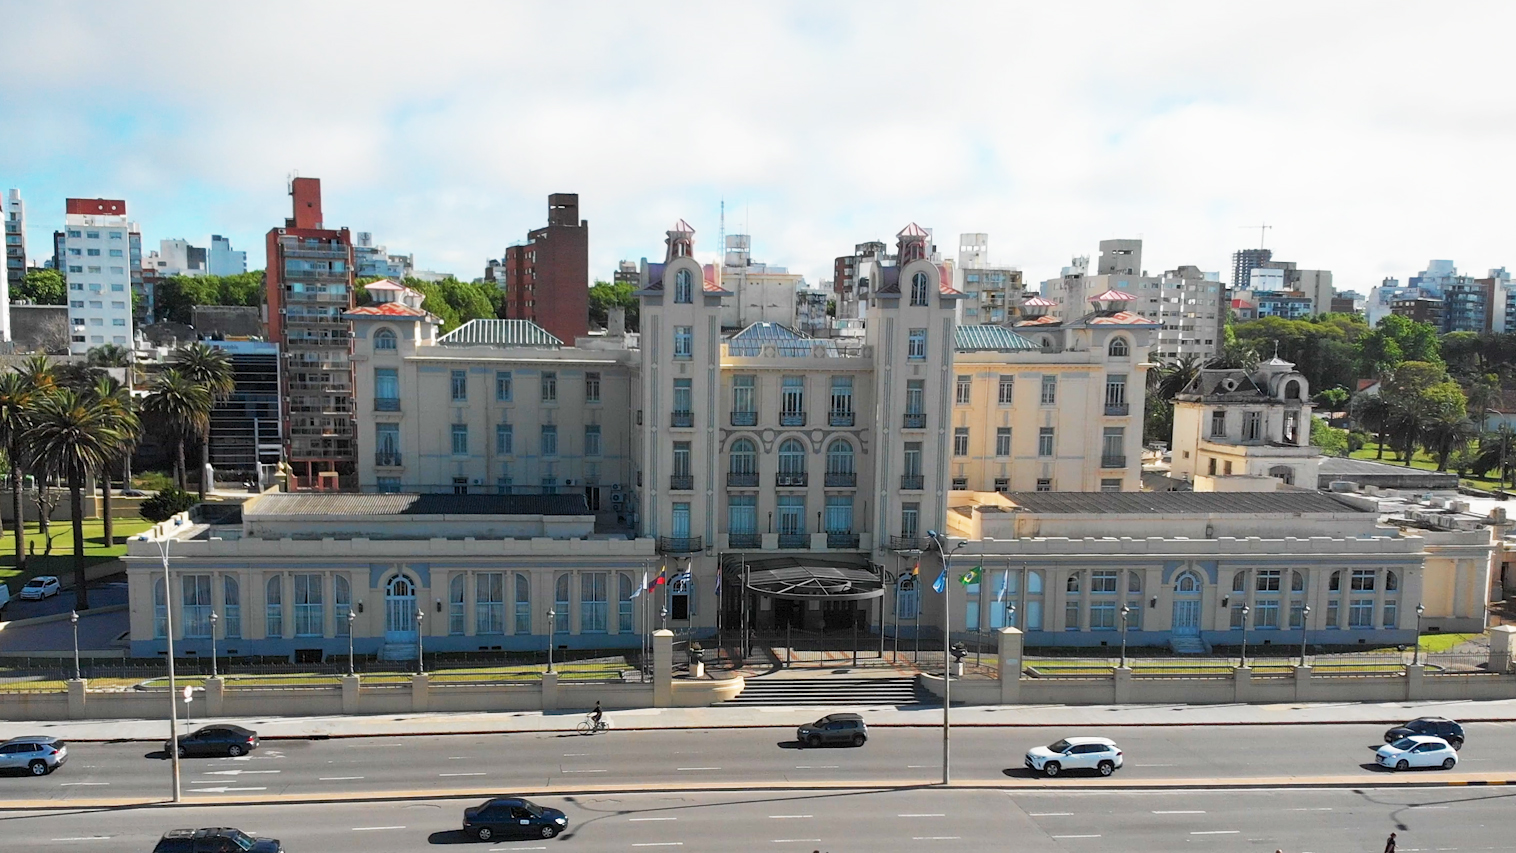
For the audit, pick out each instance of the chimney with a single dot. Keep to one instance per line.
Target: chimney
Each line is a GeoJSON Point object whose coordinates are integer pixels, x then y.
{"type": "Point", "coordinates": [615, 322]}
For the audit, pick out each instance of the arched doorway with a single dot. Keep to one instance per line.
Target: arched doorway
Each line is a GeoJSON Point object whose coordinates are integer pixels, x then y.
{"type": "Point", "coordinates": [400, 610]}
{"type": "Point", "coordinates": [1186, 605]}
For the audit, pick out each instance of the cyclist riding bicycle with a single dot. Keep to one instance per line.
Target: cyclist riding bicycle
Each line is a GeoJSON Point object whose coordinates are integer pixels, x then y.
{"type": "Point", "coordinates": [596, 714]}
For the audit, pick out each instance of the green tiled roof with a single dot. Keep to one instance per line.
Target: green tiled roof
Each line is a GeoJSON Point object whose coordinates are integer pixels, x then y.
{"type": "Point", "coordinates": [500, 333]}
{"type": "Point", "coordinates": [972, 338]}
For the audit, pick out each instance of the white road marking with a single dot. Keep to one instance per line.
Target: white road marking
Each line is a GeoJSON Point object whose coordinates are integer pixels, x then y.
{"type": "Point", "coordinates": [1309, 810]}
{"type": "Point", "coordinates": [460, 774]}
{"type": "Point", "coordinates": [72, 784]}
{"type": "Point", "coordinates": [584, 771]}
{"type": "Point", "coordinates": [1217, 832]}
{"type": "Point", "coordinates": [636, 819]}
{"type": "Point", "coordinates": [570, 755]}
{"type": "Point", "coordinates": [660, 844]}
{"type": "Point", "coordinates": [816, 766]}
{"type": "Point", "coordinates": [788, 816]}
{"type": "Point", "coordinates": [697, 768]}
{"type": "Point", "coordinates": [374, 828]}
{"type": "Point", "coordinates": [220, 790]}
{"type": "Point", "coordinates": [918, 766]}
{"type": "Point", "coordinates": [337, 778]}
{"type": "Point", "coordinates": [1075, 836]}
{"type": "Point", "coordinates": [239, 772]}
{"type": "Point", "coordinates": [933, 814]}
{"type": "Point", "coordinates": [940, 838]}
{"type": "Point", "coordinates": [87, 838]}
{"type": "Point", "coordinates": [498, 849]}
{"type": "Point", "coordinates": [455, 758]}
{"type": "Point", "coordinates": [1181, 811]}
{"type": "Point", "coordinates": [796, 841]}
{"type": "Point", "coordinates": [1051, 814]}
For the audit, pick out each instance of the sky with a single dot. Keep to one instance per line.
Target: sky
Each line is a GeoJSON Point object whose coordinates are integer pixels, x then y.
{"type": "Point", "coordinates": [1370, 136]}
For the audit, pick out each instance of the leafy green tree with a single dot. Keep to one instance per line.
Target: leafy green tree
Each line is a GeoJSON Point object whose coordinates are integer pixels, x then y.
{"type": "Point", "coordinates": [1394, 340]}
{"type": "Point", "coordinates": [177, 295]}
{"type": "Point", "coordinates": [1333, 399]}
{"type": "Point", "coordinates": [184, 407]}
{"type": "Point", "coordinates": [41, 287]}
{"type": "Point", "coordinates": [1372, 412]}
{"type": "Point", "coordinates": [1332, 441]}
{"type": "Point", "coordinates": [78, 435]}
{"type": "Point", "coordinates": [211, 369]}
{"type": "Point", "coordinates": [166, 504]}
{"type": "Point", "coordinates": [1445, 430]}
{"type": "Point", "coordinates": [605, 295]}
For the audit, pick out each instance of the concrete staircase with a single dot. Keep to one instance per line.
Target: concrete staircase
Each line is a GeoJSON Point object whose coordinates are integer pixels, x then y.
{"type": "Point", "coordinates": [1188, 646]}
{"type": "Point", "coordinates": [827, 690]}
{"type": "Point", "coordinates": [397, 651]}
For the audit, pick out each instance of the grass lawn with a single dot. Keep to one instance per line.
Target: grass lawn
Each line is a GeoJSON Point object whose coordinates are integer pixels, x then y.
{"type": "Point", "coordinates": [1424, 462]}
{"type": "Point", "coordinates": [61, 561]}
{"type": "Point", "coordinates": [566, 672]}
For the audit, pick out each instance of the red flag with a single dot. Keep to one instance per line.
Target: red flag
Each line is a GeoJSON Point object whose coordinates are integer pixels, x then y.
{"type": "Point", "coordinates": [662, 577]}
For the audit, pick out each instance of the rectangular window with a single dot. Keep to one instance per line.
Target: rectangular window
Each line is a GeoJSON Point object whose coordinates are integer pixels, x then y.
{"type": "Point", "coordinates": [460, 485]}
{"type": "Point", "coordinates": [624, 605]}
{"type": "Point", "coordinates": [489, 603]}
{"type": "Point", "coordinates": [1115, 392]}
{"type": "Point", "coordinates": [1134, 616]}
{"type": "Point", "coordinates": [549, 440]}
{"type": "Point", "coordinates": [912, 459]}
{"type": "Point", "coordinates": [960, 441]}
{"type": "Point", "coordinates": [792, 398]}
{"type": "Point", "coordinates": [549, 387]}
{"type": "Point", "coordinates": [592, 440]}
{"type": "Point", "coordinates": [1266, 580]}
{"type": "Point", "coordinates": [505, 439]}
{"type": "Point", "coordinates": [561, 604]}
{"type": "Point", "coordinates": [681, 459]}
{"type": "Point", "coordinates": [309, 620]}
{"type": "Point", "coordinates": [592, 387]}
{"type": "Point", "coordinates": [842, 395]}
{"type": "Point", "coordinates": [910, 520]}
{"type": "Point", "coordinates": [1071, 614]}
{"type": "Point", "coordinates": [1361, 613]}
{"type": "Point", "coordinates": [1391, 614]}
{"type": "Point", "coordinates": [1252, 426]}
{"type": "Point", "coordinates": [1044, 484]}
{"type": "Point", "coordinates": [502, 386]}
{"type": "Point", "coordinates": [1113, 447]}
{"type": "Point", "coordinates": [1363, 580]}
{"type": "Point", "coordinates": [1103, 616]}
{"type": "Point", "coordinates": [791, 515]}
{"type": "Point", "coordinates": [916, 345]}
{"type": "Point", "coordinates": [593, 602]}
{"type": "Point", "coordinates": [1103, 581]}
{"type": "Point", "coordinates": [1049, 389]}
{"type": "Point", "coordinates": [1007, 390]}
{"type": "Point", "coordinates": [94, 253]}
{"type": "Point", "coordinates": [684, 341]}
{"type": "Point", "coordinates": [1266, 614]}
{"type": "Point", "coordinates": [839, 514]}
{"type": "Point", "coordinates": [195, 605]}
{"type": "Point", "coordinates": [742, 514]}
{"type": "Point", "coordinates": [1002, 441]}
{"type": "Point", "coordinates": [1044, 441]}
{"type": "Point", "coordinates": [460, 386]}
{"type": "Point", "coordinates": [115, 253]}
{"type": "Point", "coordinates": [963, 390]}
{"type": "Point", "coordinates": [915, 396]}
{"type": "Point", "coordinates": [387, 443]}
{"type": "Point", "coordinates": [523, 604]}
{"type": "Point", "coordinates": [683, 396]}
{"type": "Point", "coordinates": [1111, 484]}
{"type": "Point", "coordinates": [744, 394]}
{"type": "Point", "coordinates": [460, 439]}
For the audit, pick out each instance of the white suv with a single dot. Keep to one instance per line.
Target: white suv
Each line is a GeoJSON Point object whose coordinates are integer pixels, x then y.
{"type": "Point", "coordinates": [1075, 753]}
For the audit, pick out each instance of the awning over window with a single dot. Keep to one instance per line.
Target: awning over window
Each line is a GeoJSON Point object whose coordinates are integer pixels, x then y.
{"type": "Point", "coordinates": [805, 578]}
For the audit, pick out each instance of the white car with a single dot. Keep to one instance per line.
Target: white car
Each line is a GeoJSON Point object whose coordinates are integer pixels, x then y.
{"type": "Point", "coordinates": [38, 587]}
{"type": "Point", "coordinates": [1417, 751]}
{"type": "Point", "coordinates": [1075, 753]}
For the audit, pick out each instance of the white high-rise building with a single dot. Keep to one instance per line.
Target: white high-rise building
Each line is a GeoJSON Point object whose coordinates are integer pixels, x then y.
{"type": "Point", "coordinates": [220, 259]}
{"type": "Point", "coordinates": [14, 214]}
{"type": "Point", "coordinates": [97, 265]}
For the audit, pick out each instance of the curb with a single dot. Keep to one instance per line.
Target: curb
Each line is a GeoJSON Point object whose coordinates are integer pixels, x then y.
{"type": "Point", "coordinates": [1037, 787]}
{"type": "Point", "coordinates": [60, 617]}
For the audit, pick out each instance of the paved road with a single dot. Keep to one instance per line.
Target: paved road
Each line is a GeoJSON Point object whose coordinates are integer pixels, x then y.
{"type": "Point", "coordinates": [1446, 820]}
{"type": "Point", "coordinates": [769, 757]}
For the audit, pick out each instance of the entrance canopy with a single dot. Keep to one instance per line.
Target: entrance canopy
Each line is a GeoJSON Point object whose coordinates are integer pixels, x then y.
{"type": "Point", "coordinates": [805, 578]}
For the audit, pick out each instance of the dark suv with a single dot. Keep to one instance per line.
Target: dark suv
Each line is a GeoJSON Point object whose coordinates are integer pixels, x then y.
{"type": "Point", "coordinates": [834, 728]}
{"type": "Point", "coordinates": [220, 839]}
{"type": "Point", "coordinates": [1435, 726]}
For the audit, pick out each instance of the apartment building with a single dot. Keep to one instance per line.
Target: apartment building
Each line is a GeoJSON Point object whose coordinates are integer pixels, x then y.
{"type": "Point", "coordinates": [547, 278]}
{"type": "Point", "coordinates": [1246, 424]}
{"type": "Point", "coordinates": [761, 292]}
{"type": "Point", "coordinates": [991, 293]}
{"type": "Point", "coordinates": [245, 427]}
{"type": "Point", "coordinates": [97, 259]}
{"type": "Point", "coordinates": [309, 286]}
{"type": "Point", "coordinates": [14, 216]}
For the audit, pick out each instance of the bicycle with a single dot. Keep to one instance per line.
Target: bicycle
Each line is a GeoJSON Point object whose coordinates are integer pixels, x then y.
{"type": "Point", "coordinates": [590, 726]}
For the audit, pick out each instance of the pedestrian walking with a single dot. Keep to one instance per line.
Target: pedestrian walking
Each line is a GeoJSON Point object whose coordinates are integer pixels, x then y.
{"type": "Point", "coordinates": [1389, 844]}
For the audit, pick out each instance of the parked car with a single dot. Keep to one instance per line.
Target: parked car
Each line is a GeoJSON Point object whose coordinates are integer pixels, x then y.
{"type": "Point", "coordinates": [834, 728]}
{"type": "Point", "coordinates": [512, 817]}
{"type": "Point", "coordinates": [216, 740]}
{"type": "Point", "coordinates": [1417, 751]}
{"type": "Point", "coordinates": [1075, 753]}
{"type": "Point", "coordinates": [1432, 726]}
{"type": "Point", "coordinates": [219, 839]}
{"type": "Point", "coordinates": [38, 755]}
{"type": "Point", "coordinates": [5, 596]}
{"type": "Point", "coordinates": [40, 587]}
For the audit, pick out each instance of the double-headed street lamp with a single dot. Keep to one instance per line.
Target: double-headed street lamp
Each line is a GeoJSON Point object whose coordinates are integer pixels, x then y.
{"type": "Point", "coordinates": [1305, 615]}
{"type": "Point", "coordinates": [1125, 610]}
{"type": "Point", "coordinates": [73, 617]}
{"type": "Point", "coordinates": [947, 641]}
{"type": "Point", "coordinates": [1416, 655]}
{"type": "Point", "coordinates": [1244, 660]}
{"type": "Point", "coordinates": [214, 620]}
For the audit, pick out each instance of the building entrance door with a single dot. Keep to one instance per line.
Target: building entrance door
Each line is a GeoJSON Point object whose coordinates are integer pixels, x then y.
{"type": "Point", "coordinates": [1186, 617]}
{"type": "Point", "coordinates": [400, 610]}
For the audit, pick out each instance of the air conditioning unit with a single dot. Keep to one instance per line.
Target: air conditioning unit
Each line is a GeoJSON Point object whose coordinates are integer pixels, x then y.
{"type": "Point", "coordinates": [569, 482]}
{"type": "Point", "coordinates": [476, 482]}
{"type": "Point", "coordinates": [616, 497]}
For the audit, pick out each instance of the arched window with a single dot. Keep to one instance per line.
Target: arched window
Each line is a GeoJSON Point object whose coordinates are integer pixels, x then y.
{"type": "Point", "coordinates": [1239, 582]}
{"type": "Point", "coordinates": [384, 339]}
{"type": "Point", "coordinates": [523, 604]}
{"type": "Point", "coordinates": [1335, 585]}
{"type": "Point", "coordinates": [918, 288]}
{"type": "Point", "coordinates": [907, 597]}
{"type": "Point", "coordinates": [1034, 583]}
{"type": "Point", "coordinates": [1046, 341]}
{"type": "Point", "coordinates": [561, 603]}
{"type": "Point", "coordinates": [684, 289]}
{"type": "Point", "coordinates": [231, 608]}
{"type": "Point", "coordinates": [1292, 390]}
{"type": "Point", "coordinates": [624, 590]}
{"type": "Point", "coordinates": [744, 457]}
{"type": "Point", "coordinates": [273, 607]}
{"type": "Point", "coordinates": [1188, 584]}
{"type": "Point", "coordinates": [1133, 582]}
{"type": "Point", "coordinates": [342, 594]}
{"type": "Point", "coordinates": [1071, 586]}
{"type": "Point", "coordinates": [455, 605]}
{"type": "Point", "coordinates": [160, 610]}
{"type": "Point", "coordinates": [791, 457]}
{"type": "Point", "coordinates": [1117, 348]}
{"type": "Point", "coordinates": [839, 457]}
{"type": "Point", "coordinates": [1391, 582]}
{"type": "Point", "coordinates": [1297, 582]}
{"type": "Point", "coordinates": [1283, 472]}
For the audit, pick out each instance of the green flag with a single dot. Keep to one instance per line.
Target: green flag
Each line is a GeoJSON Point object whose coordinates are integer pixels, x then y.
{"type": "Point", "coordinates": [971, 577]}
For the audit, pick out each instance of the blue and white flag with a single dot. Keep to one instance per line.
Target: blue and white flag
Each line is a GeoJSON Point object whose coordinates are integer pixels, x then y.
{"type": "Point", "coordinates": [1005, 581]}
{"type": "Point", "coordinates": [940, 584]}
{"type": "Point", "coordinates": [718, 582]}
{"type": "Point", "coordinates": [643, 588]}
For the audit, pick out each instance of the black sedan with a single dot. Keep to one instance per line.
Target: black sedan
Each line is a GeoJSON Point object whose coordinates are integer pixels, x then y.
{"type": "Point", "coordinates": [1433, 726]}
{"type": "Point", "coordinates": [215, 740]}
{"type": "Point", "coordinates": [215, 840]}
{"type": "Point", "coordinates": [512, 817]}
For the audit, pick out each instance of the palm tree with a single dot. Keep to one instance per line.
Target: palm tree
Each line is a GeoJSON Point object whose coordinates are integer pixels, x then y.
{"type": "Point", "coordinates": [1444, 432]}
{"type": "Point", "coordinates": [109, 355]}
{"type": "Point", "coordinates": [79, 435]}
{"type": "Point", "coordinates": [1497, 450]}
{"type": "Point", "coordinates": [116, 400]}
{"type": "Point", "coordinates": [1174, 376]}
{"type": "Point", "coordinates": [1403, 427]}
{"type": "Point", "coordinates": [1372, 411]}
{"type": "Point", "coordinates": [41, 377]}
{"type": "Point", "coordinates": [15, 413]}
{"type": "Point", "coordinates": [212, 370]}
{"type": "Point", "coordinates": [185, 408]}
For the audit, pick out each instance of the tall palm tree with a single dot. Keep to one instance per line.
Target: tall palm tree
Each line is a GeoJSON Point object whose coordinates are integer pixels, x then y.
{"type": "Point", "coordinates": [185, 408]}
{"type": "Point", "coordinates": [41, 375]}
{"type": "Point", "coordinates": [109, 355]}
{"type": "Point", "coordinates": [212, 370]}
{"type": "Point", "coordinates": [1174, 376]}
{"type": "Point", "coordinates": [16, 397]}
{"type": "Point", "coordinates": [79, 435]}
{"type": "Point", "coordinates": [116, 400]}
{"type": "Point", "coordinates": [1444, 432]}
{"type": "Point", "coordinates": [1372, 411]}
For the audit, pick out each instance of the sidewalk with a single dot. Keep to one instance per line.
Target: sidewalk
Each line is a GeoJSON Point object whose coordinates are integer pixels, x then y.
{"type": "Point", "coordinates": [926, 716]}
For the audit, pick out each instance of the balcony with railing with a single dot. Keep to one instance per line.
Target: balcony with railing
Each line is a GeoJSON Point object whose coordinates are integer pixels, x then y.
{"type": "Point", "coordinates": [681, 419]}
{"type": "Point", "coordinates": [912, 482]}
{"type": "Point", "coordinates": [907, 543]}
{"type": "Point", "coordinates": [842, 540]}
{"type": "Point", "coordinates": [386, 404]}
{"type": "Point", "coordinates": [681, 482]}
{"type": "Point", "coordinates": [744, 540]}
{"type": "Point", "coordinates": [794, 540]}
{"type": "Point", "coordinates": [841, 479]}
{"type": "Point", "coordinates": [742, 479]}
{"type": "Point", "coordinates": [790, 478]}
{"type": "Point", "coordinates": [914, 420]}
{"type": "Point", "coordinates": [792, 419]}
{"type": "Point", "coordinates": [387, 460]}
{"type": "Point", "coordinates": [680, 545]}
{"type": "Point", "coordinates": [1107, 461]}
{"type": "Point", "coordinates": [840, 419]}
{"type": "Point", "coordinates": [744, 418]}
{"type": "Point", "coordinates": [1117, 409]}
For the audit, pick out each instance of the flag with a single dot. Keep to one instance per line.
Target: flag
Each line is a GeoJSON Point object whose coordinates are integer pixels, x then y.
{"type": "Point", "coordinates": [682, 577]}
{"type": "Point", "coordinates": [972, 576]}
{"type": "Point", "coordinates": [916, 569]}
{"type": "Point", "coordinates": [643, 588]}
{"type": "Point", "coordinates": [940, 584]}
{"type": "Point", "coordinates": [718, 583]}
{"type": "Point", "coordinates": [1005, 583]}
{"type": "Point", "coordinates": [661, 579]}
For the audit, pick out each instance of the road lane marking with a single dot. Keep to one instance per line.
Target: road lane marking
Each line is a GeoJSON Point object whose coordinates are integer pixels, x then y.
{"type": "Point", "coordinates": [239, 772]}
{"type": "Point", "coordinates": [574, 755]}
{"type": "Point", "coordinates": [918, 766]}
{"type": "Point", "coordinates": [1051, 814]}
{"type": "Point", "coordinates": [220, 790]}
{"type": "Point", "coordinates": [1217, 832]}
{"type": "Point", "coordinates": [87, 838]}
{"type": "Point", "coordinates": [374, 828]}
{"type": "Point", "coordinates": [1310, 810]}
{"type": "Point", "coordinates": [460, 774]}
{"type": "Point", "coordinates": [338, 778]}
{"type": "Point", "coordinates": [788, 816]}
{"type": "Point", "coordinates": [73, 784]}
{"type": "Point", "coordinates": [636, 819]}
{"type": "Point", "coordinates": [940, 838]}
{"type": "Point", "coordinates": [816, 766]}
{"type": "Point", "coordinates": [498, 849]}
{"type": "Point", "coordinates": [1181, 811]}
{"type": "Point", "coordinates": [934, 814]}
{"type": "Point", "coordinates": [1075, 836]}
{"type": "Point", "coordinates": [796, 840]}
{"type": "Point", "coordinates": [584, 771]}
{"type": "Point", "coordinates": [697, 768]}
{"type": "Point", "coordinates": [660, 844]}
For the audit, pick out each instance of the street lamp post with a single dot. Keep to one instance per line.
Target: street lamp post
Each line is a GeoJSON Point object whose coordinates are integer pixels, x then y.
{"type": "Point", "coordinates": [1416, 655]}
{"type": "Point", "coordinates": [551, 615]}
{"type": "Point", "coordinates": [1305, 615]}
{"type": "Point", "coordinates": [1125, 609]}
{"type": "Point", "coordinates": [420, 648]}
{"type": "Point", "coordinates": [173, 688]}
{"type": "Point", "coordinates": [214, 620]}
{"type": "Point", "coordinates": [1244, 660]}
{"type": "Point", "coordinates": [73, 617]}
{"type": "Point", "coordinates": [350, 617]}
{"type": "Point", "coordinates": [947, 645]}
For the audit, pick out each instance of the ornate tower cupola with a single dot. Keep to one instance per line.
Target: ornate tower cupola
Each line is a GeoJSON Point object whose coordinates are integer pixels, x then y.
{"type": "Point", "coordinates": [1112, 301]}
{"type": "Point", "coordinates": [680, 241]}
{"type": "Point", "coordinates": [912, 245]}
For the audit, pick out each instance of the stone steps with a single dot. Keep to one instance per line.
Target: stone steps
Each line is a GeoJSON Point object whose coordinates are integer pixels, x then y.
{"type": "Point", "coordinates": [1188, 646]}
{"type": "Point", "coordinates": [827, 690]}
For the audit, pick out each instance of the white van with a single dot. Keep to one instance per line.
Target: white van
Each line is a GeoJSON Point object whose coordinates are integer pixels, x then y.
{"type": "Point", "coordinates": [5, 597]}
